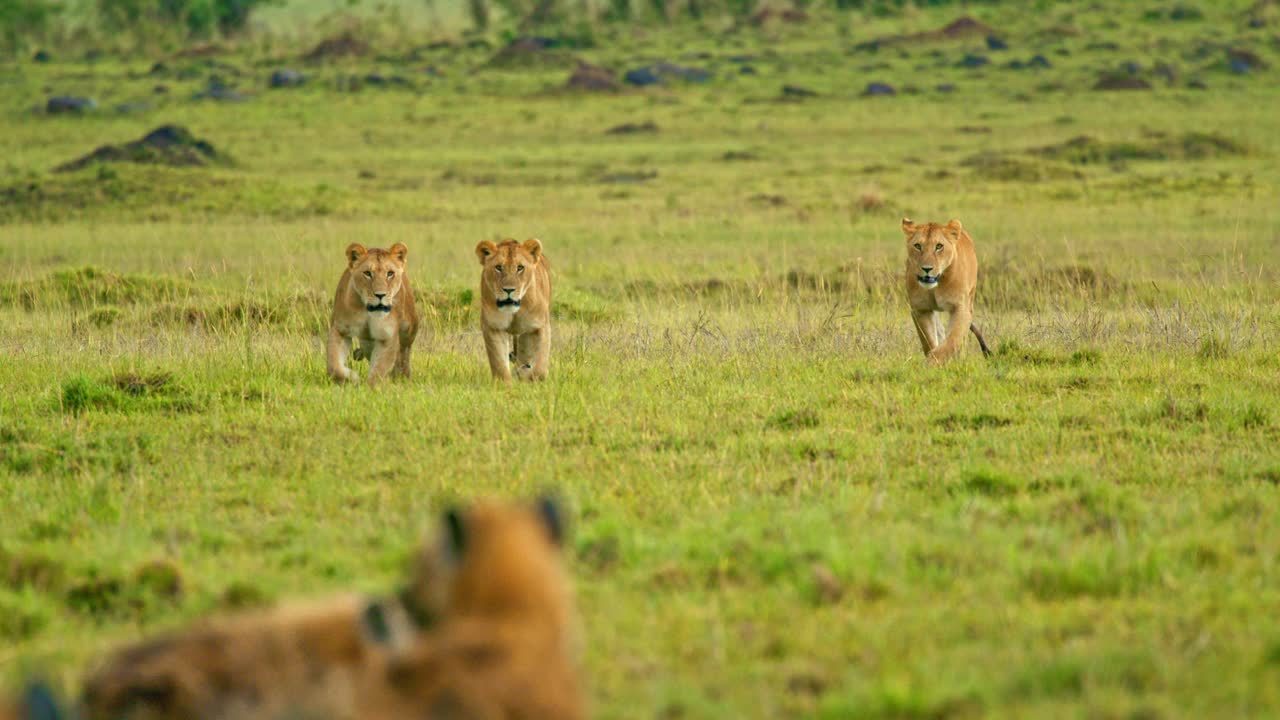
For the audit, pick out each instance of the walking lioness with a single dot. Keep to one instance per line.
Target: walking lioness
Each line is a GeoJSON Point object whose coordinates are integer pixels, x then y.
{"type": "Point", "coordinates": [515, 308]}
{"type": "Point", "coordinates": [374, 303]}
{"type": "Point", "coordinates": [942, 276]}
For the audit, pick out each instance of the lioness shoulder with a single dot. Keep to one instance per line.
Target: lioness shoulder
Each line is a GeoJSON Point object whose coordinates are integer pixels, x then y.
{"type": "Point", "coordinates": [373, 304]}
{"type": "Point", "coordinates": [515, 308]}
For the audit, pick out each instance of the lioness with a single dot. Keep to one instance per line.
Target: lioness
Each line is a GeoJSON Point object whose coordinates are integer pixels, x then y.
{"type": "Point", "coordinates": [506, 646]}
{"type": "Point", "coordinates": [942, 276]}
{"type": "Point", "coordinates": [374, 303]}
{"type": "Point", "coordinates": [515, 308]}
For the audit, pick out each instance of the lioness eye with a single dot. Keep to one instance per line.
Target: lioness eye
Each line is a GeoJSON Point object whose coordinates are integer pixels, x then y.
{"type": "Point", "coordinates": [918, 246]}
{"type": "Point", "coordinates": [498, 268]}
{"type": "Point", "coordinates": [368, 274]}
{"type": "Point", "coordinates": [519, 268]}
{"type": "Point", "coordinates": [938, 248]}
{"type": "Point", "coordinates": [390, 274]}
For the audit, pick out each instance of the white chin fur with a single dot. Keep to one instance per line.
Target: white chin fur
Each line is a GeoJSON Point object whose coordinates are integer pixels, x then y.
{"type": "Point", "coordinates": [512, 309]}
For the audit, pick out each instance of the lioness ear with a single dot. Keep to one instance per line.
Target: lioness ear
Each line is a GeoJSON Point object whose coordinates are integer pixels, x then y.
{"type": "Point", "coordinates": [549, 512]}
{"type": "Point", "coordinates": [908, 227]}
{"type": "Point", "coordinates": [954, 226]}
{"type": "Point", "coordinates": [355, 251]}
{"type": "Point", "coordinates": [400, 251]}
{"type": "Point", "coordinates": [533, 246]}
{"type": "Point", "coordinates": [485, 249]}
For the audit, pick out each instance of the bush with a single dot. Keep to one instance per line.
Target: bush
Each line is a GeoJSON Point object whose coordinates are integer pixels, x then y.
{"type": "Point", "coordinates": [21, 20]}
{"type": "Point", "coordinates": [195, 18]}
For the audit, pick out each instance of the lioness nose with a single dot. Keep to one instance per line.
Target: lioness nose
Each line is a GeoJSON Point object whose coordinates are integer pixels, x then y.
{"type": "Point", "coordinates": [380, 295]}
{"type": "Point", "coordinates": [927, 268]}
{"type": "Point", "coordinates": [508, 290]}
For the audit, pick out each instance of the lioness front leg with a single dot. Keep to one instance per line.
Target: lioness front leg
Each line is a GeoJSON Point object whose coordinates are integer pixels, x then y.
{"type": "Point", "coordinates": [336, 357]}
{"type": "Point", "coordinates": [382, 359]}
{"type": "Point", "coordinates": [497, 346]}
{"type": "Point", "coordinates": [926, 329]}
{"type": "Point", "coordinates": [538, 344]}
{"type": "Point", "coordinates": [406, 349]}
{"type": "Point", "coordinates": [957, 327]}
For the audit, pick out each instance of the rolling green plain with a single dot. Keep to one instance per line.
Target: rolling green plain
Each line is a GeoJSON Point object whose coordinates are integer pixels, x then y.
{"type": "Point", "coordinates": [780, 509]}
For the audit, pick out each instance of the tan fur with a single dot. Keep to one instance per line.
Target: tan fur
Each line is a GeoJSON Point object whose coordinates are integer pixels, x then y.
{"type": "Point", "coordinates": [947, 251]}
{"type": "Point", "coordinates": [505, 647]}
{"type": "Point", "coordinates": [386, 338]}
{"type": "Point", "coordinates": [257, 665]}
{"type": "Point", "coordinates": [522, 333]}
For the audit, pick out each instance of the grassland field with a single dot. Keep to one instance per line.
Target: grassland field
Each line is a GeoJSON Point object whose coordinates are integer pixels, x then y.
{"type": "Point", "coordinates": [780, 509]}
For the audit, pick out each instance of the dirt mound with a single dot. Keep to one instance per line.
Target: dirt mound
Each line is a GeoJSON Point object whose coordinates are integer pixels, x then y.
{"type": "Point", "coordinates": [531, 51]}
{"type": "Point", "coordinates": [342, 45]}
{"type": "Point", "coordinates": [171, 145]}
{"type": "Point", "coordinates": [589, 78]}
{"type": "Point", "coordinates": [959, 29]}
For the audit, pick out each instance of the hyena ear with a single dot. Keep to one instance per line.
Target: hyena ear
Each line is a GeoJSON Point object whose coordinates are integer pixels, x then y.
{"type": "Point", "coordinates": [374, 622]}
{"type": "Point", "coordinates": [908, 227]}
{"type": "Point", "coordinates": [484, 249]}
{"type": "Point", "coordinates": [533, 246]}
{"type": "Point", "coordinates": [455, 532]}
{"type": "Point", "coordinates": [549, 512]}
{"type": "Point", "coordinates": [399, 251]}
{"type": "Point", "coordinates": [40, 703]}
{"type": "Point", "coordinates": [355, 251]}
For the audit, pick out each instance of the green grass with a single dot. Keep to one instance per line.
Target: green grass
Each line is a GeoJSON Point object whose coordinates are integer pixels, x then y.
{"type": "Point", "coordinates": [781, 510]}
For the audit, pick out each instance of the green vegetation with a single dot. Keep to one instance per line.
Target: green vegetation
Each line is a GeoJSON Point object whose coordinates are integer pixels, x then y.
{"type": "Point", "coordinates": [781, 510]}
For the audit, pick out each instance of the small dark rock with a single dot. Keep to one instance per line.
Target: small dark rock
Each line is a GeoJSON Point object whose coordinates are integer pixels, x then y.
{"type": "Point", "coordinates": [1016, 65]}
{"type": "Point", "coordinates": [219, 90]}
{"type": "Point", "coordinates": [995, 44]}
{"type": "Point", "coordinates": [632, 128]}
{"type": "Point", "coordinates": [158, 69]}
{"type": "Point", "coordinates": [795, 91]}
{"type": "Point", "coordinates": [746, 70]}
{"type": "Point", "coordinates": [69, 104]}
{"type": "Point", "coordinates": [160, 89]}
{"type": "Point", "coordinates": [878, 89]}
{"type": "Point", "coordinates": [1257, 22]}
{"type": "Point", "coordinates": [741, 59]}
{"type": "Point", "coordinates": [946, 88]}
{"type": "Point", "coordinates": [1131, 67]}
{"type": "Point", "coordinates": [41, 56]}
{"type": "Point", "coordinates": [286, 78]}
{"type": "Point", "coordinates": [641, 77]}
{"type": "Point", "coordinates": [1039, 61]}
{"type": "Point", "coordinates": [132, 108]}
{"type": "Point", "coordinates": [1242, 61]}
{"type": "Point", "coordinates": [974, 61]}
{"type": "Point", "coordinates": [1197, 85]}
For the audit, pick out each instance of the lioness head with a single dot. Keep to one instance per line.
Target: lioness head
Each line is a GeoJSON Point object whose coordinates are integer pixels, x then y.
{"type": "Point", "coordinates": [931, 248]}
{"type": "Point", "coordinates": [377, 275]}
{"type": "Point", "coordinates": [508, 270]}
